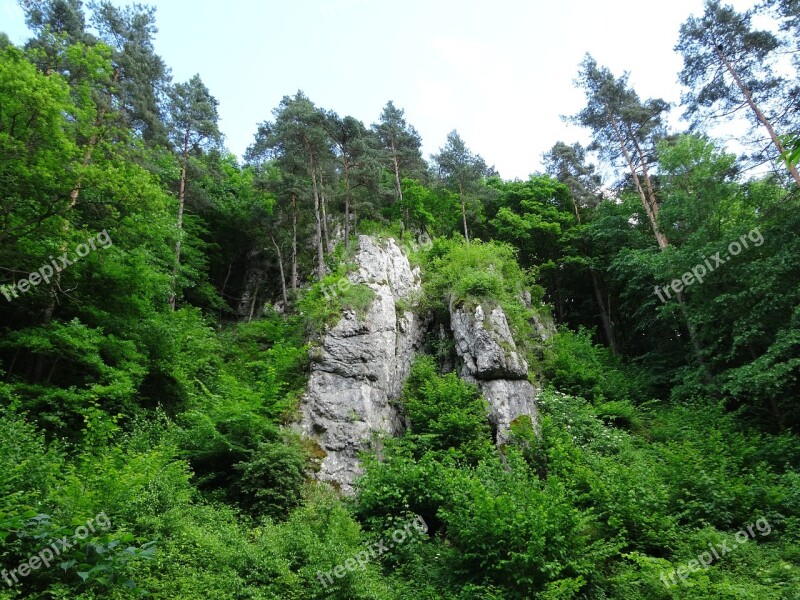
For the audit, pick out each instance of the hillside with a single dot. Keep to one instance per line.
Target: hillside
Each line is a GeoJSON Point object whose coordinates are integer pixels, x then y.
{"type": "Point", "coordinates": [335, 369]}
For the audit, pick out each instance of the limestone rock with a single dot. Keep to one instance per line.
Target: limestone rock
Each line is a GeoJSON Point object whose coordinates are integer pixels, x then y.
{"type": "Point", "coordinates": [488, 356]}
{"type": "Point", "coordinates": [509, 400]}
{"type": "Point", "coordinates": [485, 345]}
{"type": "Point", "coordinates": [362, 363]}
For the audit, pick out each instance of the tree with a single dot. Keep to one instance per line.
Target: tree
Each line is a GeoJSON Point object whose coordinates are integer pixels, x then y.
{"type": "Point", "coordinates": [300, 144]}
{"type": "Point", "coordinates": [38, 146]}
{"type": "Point", "coordinates": [57, 24]}
{"type": "Point", "coordinates": [568, 165]}
{"type": "Point", "coordinates": [287, 188]}
{"type": "Point", "coordinates": [417, 206]}
{"type": "Point", "coordinates": [60, 16]}
{"type": "Point", "coordinates": [141, 74]}
{"type": "Point", "coordinates": [728, 66]}
{"type": "Point", "coordinates": [193, 124]}
{"type": "Point", "coordinates": [62, 50]}
{"type": "Point", "coordinates": [625, 127]}
{"type": "Point", "coordinates": [400, 144]}
{"type": "Point", "coordinates": [62, 45]}
{"type": "Point", "coordinates": [460, 170]}
{"type": "Point", "coordinates": [349, 137]}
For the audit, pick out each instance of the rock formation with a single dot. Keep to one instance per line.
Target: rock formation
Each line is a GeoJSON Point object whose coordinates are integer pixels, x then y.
{"type": "Point", "coordinates": [362, 363]}
{"type": "Point", "coordinates": [488, 357]}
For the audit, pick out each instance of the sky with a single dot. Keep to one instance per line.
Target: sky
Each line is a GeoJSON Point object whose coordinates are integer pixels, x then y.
{"type": "Point", "coordinates": [500, 72]}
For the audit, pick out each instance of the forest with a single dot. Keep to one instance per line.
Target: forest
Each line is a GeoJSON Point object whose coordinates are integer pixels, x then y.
{"type": "Point", "coordinates": [163, 301]}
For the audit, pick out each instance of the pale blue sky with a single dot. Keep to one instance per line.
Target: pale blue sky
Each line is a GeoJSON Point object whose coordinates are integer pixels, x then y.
{"type": "Point", "coordinates": [500, 72]}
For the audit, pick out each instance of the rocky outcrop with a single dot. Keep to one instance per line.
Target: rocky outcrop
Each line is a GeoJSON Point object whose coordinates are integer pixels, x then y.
{"type": "Point", "coordinates": [485, 345]}
{"type": "Point", "coordinates": [359, 369]}
{"type": "Point", "coordinates": [488, 357]}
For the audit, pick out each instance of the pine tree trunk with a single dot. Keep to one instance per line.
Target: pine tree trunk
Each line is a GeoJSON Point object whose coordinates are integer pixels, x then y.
{"type": "Point", "coordinates": [225, 284]}
{"type": "Point", "coordinates": [317, 220]}
{"type": "Point", "coordinates": [94, 140]}
{"type": "Point", "coordinates": [463, 212]}
{"type": "Point", "coordinates": [283, 276]}
{"type": "Point", "coordinates": [604, 318]}
{"type": "Point", "coordinates": [294, 244]}
{"type": "Point", "coordinates": [651, 208]}
{"type": "Point", "coordinates": [323, 205]}
{"type": "Point", "coordinates": [651, 195]}
{"type": "Point", "coordinates": [346, 206]}
{"type": "Point", "coordinates": [253, 303]}
{"type": "Point", "coordinates": [660, 238]}
{"type": "Point", "coordinates": [397, 173]}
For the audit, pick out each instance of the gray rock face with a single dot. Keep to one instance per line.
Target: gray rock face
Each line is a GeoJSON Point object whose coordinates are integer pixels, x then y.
{"type": "Point", "coordinates": [485, 345]}
{"type": "Point", "coordinates": [362, 364]}
{"type": "Point", "coordinates": [488, 356]}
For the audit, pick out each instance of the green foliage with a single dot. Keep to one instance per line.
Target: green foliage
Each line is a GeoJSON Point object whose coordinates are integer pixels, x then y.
{"type": "Point", "coordinates": [92, 369]}
{"type": "Point", "coordinates": [531, 215]}
{"type": "Point", "coordinates": [271, 479]}
{"type": "Point", "coordinates": [32, 465]}
{"type": "Point", "coordinates": [36, 147]}
{"type": "Point", "coordinates": [791, 155]}
{"type": "Point", "coordinates": [518, 533]}
{"type": "Point", "coordinates": [324, 303]}
{"type": "Point", "coordinates": [233, 419]}
{"type": "Point", "coordinates": [179, 424]}
{"type": "Point", "coordinates": [417, 206]}
{"type": "Point", "coordinates": [445, 413]}
{"type": "Point", "coordinates": [575, 365]}
{"type": "Point", "coordinates": [270, 357]}
{"type": "Point", "coordinates": [98, 560]}
{"type": "Point", "coordinates": [459, 273]}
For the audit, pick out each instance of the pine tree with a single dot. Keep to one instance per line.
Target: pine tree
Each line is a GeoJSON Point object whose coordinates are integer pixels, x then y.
{"type": "Point", "coordinates": [728, 67]}
{"type": "Point", "coordinates": [193, 125]}
{"type": "Point", "coordinates": [461, 171]}
{"type": "Point", "coordinates": [400, 145]}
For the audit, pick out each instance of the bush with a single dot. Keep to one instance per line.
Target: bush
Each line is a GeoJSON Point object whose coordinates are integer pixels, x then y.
{"type": "Point", "coordinates": [470, 273]}
{"type": "Point", "coordinates": [445, 412]}
{"type": "Point", "coordinates": [271, 481]}
{"type": "Point", "coordinates": [574, 365]}
{"type": "Point", "coordinates": [323, 304]}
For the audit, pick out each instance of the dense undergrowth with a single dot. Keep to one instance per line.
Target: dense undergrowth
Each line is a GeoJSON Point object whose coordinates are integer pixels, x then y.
{"type": "Point", "coordinates": [210, 497]}
{"type": "Point", "coordinates": [148, 390]}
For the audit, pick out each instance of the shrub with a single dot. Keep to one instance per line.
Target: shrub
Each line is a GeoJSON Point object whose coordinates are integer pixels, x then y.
{"type": "Point", "coordinates": [445, 412]}
{"type": "Point", "coordinates": [271, 480]}
{"type": "Point", "coordinates": [574, 365]}
{"type": "Point", "coordinates": [323, 304]}
{"type": "Point", "coordinates": [457, 273]}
